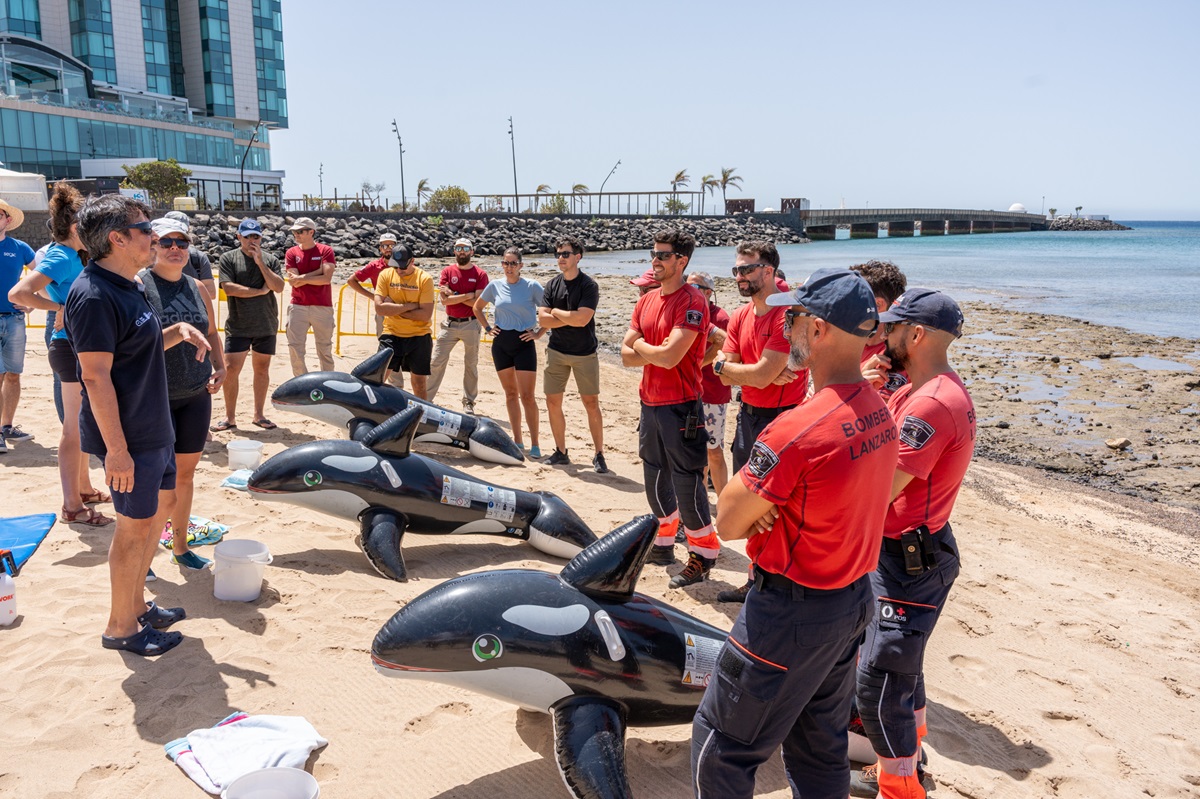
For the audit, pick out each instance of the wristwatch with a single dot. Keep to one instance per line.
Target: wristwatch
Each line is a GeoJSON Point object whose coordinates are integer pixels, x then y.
{"type": "Point", "coordinates": [718, 365]}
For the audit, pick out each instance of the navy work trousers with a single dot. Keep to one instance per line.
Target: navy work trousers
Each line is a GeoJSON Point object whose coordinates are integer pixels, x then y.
{"type": "Point", "coordinates": [784, 676]}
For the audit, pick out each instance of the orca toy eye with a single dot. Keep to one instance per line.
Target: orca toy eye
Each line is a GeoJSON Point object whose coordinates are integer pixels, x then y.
{"type": "Point", "coordinates": [316, 395]}
{"type": "Point", "coordinates": [312, 478]}
{"type": "Point", "coordinates": [487, 647]}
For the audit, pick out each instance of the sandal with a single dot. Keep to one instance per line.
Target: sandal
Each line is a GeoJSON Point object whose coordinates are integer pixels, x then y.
{"type": "Point", "coordinates": [94, 497]}
{"type": "Point", "coordinates": [265, 424]}
{"type": "Point", "coordinates": [222, 426]}
{"type": "Point", "coordinates": [85, 515]}
{"type": "Point", "coordinates": [146, 642]}
{"type": "Point", "coordinates": [161, 618]}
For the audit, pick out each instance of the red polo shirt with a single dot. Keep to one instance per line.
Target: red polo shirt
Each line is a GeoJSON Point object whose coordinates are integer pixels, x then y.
{"type": "Point", "coordinates": [712, 390]}
{"type": "Point", "coordinates": [654, 317]}
{"type": "Point", "coordinates": [306, 261]}
{"type": "Point", "coordinates": [462, 281]}
{"type": "Point", "coordinates": [750, 335]}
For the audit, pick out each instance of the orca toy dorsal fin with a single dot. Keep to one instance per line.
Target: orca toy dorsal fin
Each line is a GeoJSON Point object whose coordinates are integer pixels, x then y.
{"type": "Point", "coordinates": [374, 369]}
{"type": "Point", "coordinates": [611, 566]}
{"type": "Point", "coordinates": [395, 436]}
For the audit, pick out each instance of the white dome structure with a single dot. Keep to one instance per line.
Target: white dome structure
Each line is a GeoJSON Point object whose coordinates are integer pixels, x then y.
{"type": "Point", "coordinates": [1017, 208]}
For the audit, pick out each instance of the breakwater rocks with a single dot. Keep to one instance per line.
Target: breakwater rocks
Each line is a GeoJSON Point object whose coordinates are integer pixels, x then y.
{"type": "Point", "coordinates": [432, 236]}
{"type": "Point", "coordinates": [1079, 223]}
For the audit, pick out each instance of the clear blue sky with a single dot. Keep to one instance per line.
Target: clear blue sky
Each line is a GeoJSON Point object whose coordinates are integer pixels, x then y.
{"type": "Point", "coordinates": [962, 105]}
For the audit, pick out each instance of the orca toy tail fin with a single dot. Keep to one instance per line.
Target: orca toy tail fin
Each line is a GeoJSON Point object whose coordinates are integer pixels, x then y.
{"type": "Point", "coordinates": [611, 566]}
{"type": "Point", "coordinates": [394, 437]}
{"type": "Point", "coordinates": [374, 369]}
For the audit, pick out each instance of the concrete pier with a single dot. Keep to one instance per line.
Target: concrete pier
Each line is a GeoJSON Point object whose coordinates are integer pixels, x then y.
{"type": "Point", "coordinates": [958, 227]}
{"type": "Point", "coordinates": [821, 232]}
{"type": "Point", "coordinates": [865, 230]}
{"type": "Point", "coordinates": [899, 230]}
{"type": "Point", "coordinates": [933, 228]}
{"type": "Point", "coordinates": [981, 227]}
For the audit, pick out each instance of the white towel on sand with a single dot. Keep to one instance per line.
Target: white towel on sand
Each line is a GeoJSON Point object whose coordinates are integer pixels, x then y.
{"type": "Point", "coordinates": [219, 755]}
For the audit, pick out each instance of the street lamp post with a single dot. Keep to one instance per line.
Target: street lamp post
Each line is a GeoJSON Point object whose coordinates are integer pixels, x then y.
{"type": "Point", "coordinates": [242, 176]}
{"type": "Point", "coordinates": [403, 201]}
{"type": "Point", "coordinates": [610, 174]}
{"type": "Point", "coordinates": [516, 192]}
{"type": "Point", "coordinates": [321, 180]}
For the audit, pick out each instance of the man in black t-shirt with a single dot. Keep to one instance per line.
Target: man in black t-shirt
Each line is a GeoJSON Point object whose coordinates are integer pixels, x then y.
{"type": "Point", "coordinates": [569, 313]}
{"type": "Point", "coordinates": [126, 416]}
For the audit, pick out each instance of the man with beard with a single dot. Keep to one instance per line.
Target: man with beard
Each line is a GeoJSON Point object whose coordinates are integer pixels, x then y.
{"type": "Point", "coordinates": [785, 675]}
{"type": "Point", "coordinates": [666, 337]}
{"type": "Point", "coordinates": [460, 284]}
{"type": "Point", "coordinates": [919, 560]}
{"type": "Point", "coordinates": [404, 298]}
{"type": "Point", "coordinates": [888, 283]}
{"type": "Point", "coordinates": [370, 274]}
{"type": "Point", "coordinates": [755, 357]}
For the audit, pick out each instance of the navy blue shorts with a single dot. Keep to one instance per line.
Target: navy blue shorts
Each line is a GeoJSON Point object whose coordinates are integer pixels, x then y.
{"type": "Point", "coordinates": [153, 471]}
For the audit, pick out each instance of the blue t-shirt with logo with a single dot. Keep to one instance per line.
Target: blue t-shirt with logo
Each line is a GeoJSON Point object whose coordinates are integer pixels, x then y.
{"type": "Point", "coordinates": [62, 265]}
{"type": "Point", "coordinates": [14, 256]}
{"type": "Point", "coordinates": [515, 304]}
{"type": "Point", "coordinates": [108, 313]}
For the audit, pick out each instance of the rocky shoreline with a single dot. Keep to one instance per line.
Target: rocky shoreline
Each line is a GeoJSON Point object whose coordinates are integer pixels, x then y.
{"type": "Point", "coordinates": [1075, 223]}
{"type": "Point", "coordinates": [432, 235]}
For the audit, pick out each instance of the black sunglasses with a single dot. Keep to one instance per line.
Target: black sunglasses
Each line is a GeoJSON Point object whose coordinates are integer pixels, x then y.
{"type": "Point", "coordinates": [171, 242]}
{"type": "Point", "coordinates": [746, 269]}
{"type": "Point", "coordinates": [564, 254]}
{"type": "Point", "coordinates": [510, 263]}
{"type": "Point", "coordinates": [662, 255]}
{"type": "Point", "coordinates": [790, 317]}
{"type": "Point", "coordinates": [145, 227]}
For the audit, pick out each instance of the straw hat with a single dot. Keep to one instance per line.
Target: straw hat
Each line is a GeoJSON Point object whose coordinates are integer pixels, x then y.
{"type": "Point", "coordinates": [18, 216]}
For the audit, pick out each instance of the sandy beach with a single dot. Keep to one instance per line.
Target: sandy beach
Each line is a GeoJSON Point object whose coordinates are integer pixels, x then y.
{"type": "Point", "coordinates": [1066, 663]}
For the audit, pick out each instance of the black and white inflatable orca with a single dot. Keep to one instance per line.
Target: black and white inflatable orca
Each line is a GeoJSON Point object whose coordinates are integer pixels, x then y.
{"type": "Point", "coordinates": [360, 400]}
{"type": "Point", "coordinates": [580, 646]}
{"type": "Point", "coordinates": [391, 491]}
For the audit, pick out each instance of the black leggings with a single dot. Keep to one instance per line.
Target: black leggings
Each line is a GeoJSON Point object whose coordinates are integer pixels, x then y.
{"type": "Point", "coordinates": [508, 351]}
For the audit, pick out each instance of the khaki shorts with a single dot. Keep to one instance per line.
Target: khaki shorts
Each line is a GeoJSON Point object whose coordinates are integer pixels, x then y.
{"type": "Point", "coordinates": [560, 366]}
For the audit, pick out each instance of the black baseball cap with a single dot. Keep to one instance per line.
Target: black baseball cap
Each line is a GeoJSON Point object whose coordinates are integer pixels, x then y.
{"type": "Point", "coordinates": [927, 307]}
{"type": "Point", "coordinates": [842, 298]}
{"type": "Point", "coordinates": [401, 255]}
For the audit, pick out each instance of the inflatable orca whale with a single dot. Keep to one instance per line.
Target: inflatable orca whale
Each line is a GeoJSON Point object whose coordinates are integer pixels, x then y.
{"type": "Point", "coordinates": [580, 646]}
{"type": "Point", "coordinates": [360, 400]}
{"type": "Point", "coordinates": [390, 491]}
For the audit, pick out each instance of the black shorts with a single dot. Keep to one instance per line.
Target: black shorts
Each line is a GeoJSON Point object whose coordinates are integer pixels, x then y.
{"type": "Point", "coordinates": [508, 351]}
{"type": "Point", "coordinates": [263, 345]}
{"type": "Point", "coordinates": [191, 416]}
{"type": "Point", "coordinates": [63, 362]}
{"type": "Point", "coordinates": [409, 353]}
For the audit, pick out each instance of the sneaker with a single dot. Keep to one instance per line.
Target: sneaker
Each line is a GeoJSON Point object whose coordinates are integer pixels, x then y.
{"type": "Point", "coordinates": [12, 432]}
{"type": "Point", "coordinates": [3, 446]}
{"type": "Point", "coordinates": [190, 560]}
{"type": "Point", "coordinates": [469, 407]}
{"type": "Point", "coordinates": [535, 452]}
{"type": "Point", "coordinates": [151, 576]}
{"type": "Point", "coordinates": [696, 569]}
{"type": "Point", "coordinates": [599, 464]}
{"type": "Point", "coordinates": [865, 783]}
{"type": "Point", "coordinates": [558, 458]}
{"type": "Point", "coordinates": [662, 556]}
{"type": "Point", "coordinates": [737, 595]}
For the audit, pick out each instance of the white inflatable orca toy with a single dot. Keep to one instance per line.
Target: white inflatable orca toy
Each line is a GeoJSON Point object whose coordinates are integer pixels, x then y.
{"type": "Point", "coordinates": [390, 490]}
{"type": "Point", "coordinates": [360, 400]}
{"type": "Point", "coordinates": [580, 646]}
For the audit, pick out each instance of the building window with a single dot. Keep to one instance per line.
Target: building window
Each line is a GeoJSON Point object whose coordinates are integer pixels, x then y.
{"type": "Point", "coordinates": [268, 56]}
{"type": "Point", "coordinates": [21, 17]}
{"type": "Point", "coordinates": [217, 56]}
{"type": "Point", "coordinates": [92, 37]}
{"type": "Point", "coordinates": [164, 51]}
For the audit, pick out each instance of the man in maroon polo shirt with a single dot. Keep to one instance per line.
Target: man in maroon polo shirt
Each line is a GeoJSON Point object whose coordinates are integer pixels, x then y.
{"type": "Point", "coordinates": [459, 285]}
{"type": "Point", "coordinates": [308, 268]}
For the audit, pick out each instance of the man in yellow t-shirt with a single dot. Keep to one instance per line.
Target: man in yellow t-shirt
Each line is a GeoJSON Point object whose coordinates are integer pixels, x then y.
{"type": "Point", "coordinates": [404, 298]}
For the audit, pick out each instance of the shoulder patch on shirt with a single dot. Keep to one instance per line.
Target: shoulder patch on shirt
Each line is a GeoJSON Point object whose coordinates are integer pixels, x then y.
{"type": "Point", "coordinates": [762, 460]}
{"type": "Point", "coordinates": [895, 381]}
{"type": "Point", "coordinates": [916, 432]}
{"type": "Point", "coordinates": [694, 318]}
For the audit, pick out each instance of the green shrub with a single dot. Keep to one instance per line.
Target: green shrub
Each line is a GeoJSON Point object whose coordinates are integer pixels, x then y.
{"type": "Point", "coordinates": [451, 199]}
{"type": "Point", "coordinates": [555, 205]}
{"type": "Point", "coordinates": [675, 206]}
{"type": "Point", "coordinates": [434, 221]}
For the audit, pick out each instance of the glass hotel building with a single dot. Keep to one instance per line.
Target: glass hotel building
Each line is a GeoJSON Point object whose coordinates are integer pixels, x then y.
{"type": "Point", "coordinates": [89, 85]}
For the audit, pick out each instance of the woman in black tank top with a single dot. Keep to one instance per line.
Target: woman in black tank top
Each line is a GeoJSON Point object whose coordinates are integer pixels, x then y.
{"type": "Point", "coordinates": [191, 382]}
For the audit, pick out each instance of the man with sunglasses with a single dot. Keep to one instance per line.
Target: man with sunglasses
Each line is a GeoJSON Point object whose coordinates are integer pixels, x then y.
{"type": "Point", "coordinates": [667, 337]}
{"type": "Point", "coordinates": [919, 560]}
{"type": "Point", "coordinates": [250, 279]}
{"type": "Point", "coordinates": [459, 285]}
{"type": "Point", "coordinates": [569, 310]}
{"type": "Point", "coordinates": [811, 500]}
{"type": "Point", "coordinates": [15, 256]}
{"type": "Point", "coordinates": [308, 268]}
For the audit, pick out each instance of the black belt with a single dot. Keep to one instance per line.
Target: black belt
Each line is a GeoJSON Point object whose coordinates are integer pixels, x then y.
{"type": "Point", "coordinates": [455, 320]}
{"type": "Point", "coordinates": [765, 413]}
{"type": "Point", "coordinates": [892, 546]}
{"type": "Point", "coordinates": [765, 579]}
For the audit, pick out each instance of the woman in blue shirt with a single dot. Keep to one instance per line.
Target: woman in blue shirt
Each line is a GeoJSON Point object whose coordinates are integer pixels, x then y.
{"type": "Point", "coordinates": [46, 288]}
{"type": "Point", "coordinates": [515, 300]}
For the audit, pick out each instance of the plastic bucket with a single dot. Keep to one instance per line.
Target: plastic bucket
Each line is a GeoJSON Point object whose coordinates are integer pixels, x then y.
{"type": "Point", "coordinates": [280, 782]}
{"type": "Point", "coordinates": [244, 454]}
{"type": "Point", "coordinates": [238, 566]}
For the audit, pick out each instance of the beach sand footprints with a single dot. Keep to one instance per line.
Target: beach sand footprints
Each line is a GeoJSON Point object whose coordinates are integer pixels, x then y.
{"type": "Point", "coordinates": [437, 718]}
{"type": "Point", "coordinates": [982, 738]}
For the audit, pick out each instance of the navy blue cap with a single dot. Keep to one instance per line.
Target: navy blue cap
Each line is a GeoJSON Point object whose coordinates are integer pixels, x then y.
{"type": "Point", "coordinates": [842, 298]}
{"type": "Point", "coordinates": [401, 255]}
{"type": "Point", "coordinates": [249, 226]}
{"type": "Point", "coordinates": [926, 307]}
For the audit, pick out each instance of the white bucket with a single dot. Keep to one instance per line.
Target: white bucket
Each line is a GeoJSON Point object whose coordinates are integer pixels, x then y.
{"type": "Point", "coordinates": [280, 782]}
{"type": "Point", "coordinates": [238, 566]}
{"type": "Point", "coordinates": [244, 454]}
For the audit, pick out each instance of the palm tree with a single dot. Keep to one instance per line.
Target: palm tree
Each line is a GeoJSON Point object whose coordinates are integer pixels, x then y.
{"type": "Point", "coordinates": [543, 188]}
{"type": "Point", "coordinates": [423, 192]}
{"type": "Point", "coordinates": [708, 184]}
{"type": "Point", "coordinates": [578, 188]}
{"type": "Point", "coordinates": [1053, 212]}
{"type": "Point", "coordinates": [1078, 208]}
{"type": "Point", "coordinates": [728, 179]}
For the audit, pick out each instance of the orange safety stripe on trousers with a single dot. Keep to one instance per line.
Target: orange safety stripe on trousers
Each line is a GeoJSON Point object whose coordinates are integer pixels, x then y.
{"type": "Point", "coordinates": [735, 642]}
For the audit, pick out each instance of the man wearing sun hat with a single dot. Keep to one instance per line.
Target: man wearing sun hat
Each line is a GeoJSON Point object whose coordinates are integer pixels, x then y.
{"type": "Point", "coordinates": [308, 268]}
{"type": "Point", "coordinates": [370, 274]}
{"type": "Point", "coordinates": [811, 500]}
{"type": "Point", "coordinates": [15, 255]}
{"type": "Point", "coordinates": [919, 560]}
{"type": "Point", "coordinates": [459, 285]}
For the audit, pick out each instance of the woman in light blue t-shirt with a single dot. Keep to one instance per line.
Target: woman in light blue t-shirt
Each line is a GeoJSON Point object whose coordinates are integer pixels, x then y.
{"type": "Point", "coordinates": [515, 300]}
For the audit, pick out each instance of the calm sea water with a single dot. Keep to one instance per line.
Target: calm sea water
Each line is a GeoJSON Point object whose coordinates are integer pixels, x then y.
{"type": "Point", "coordinates": [1146, 279]}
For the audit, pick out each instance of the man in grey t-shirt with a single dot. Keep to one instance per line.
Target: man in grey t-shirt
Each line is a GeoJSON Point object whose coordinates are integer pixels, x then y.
{"type": "Point", "coordinates": [250, 278]}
